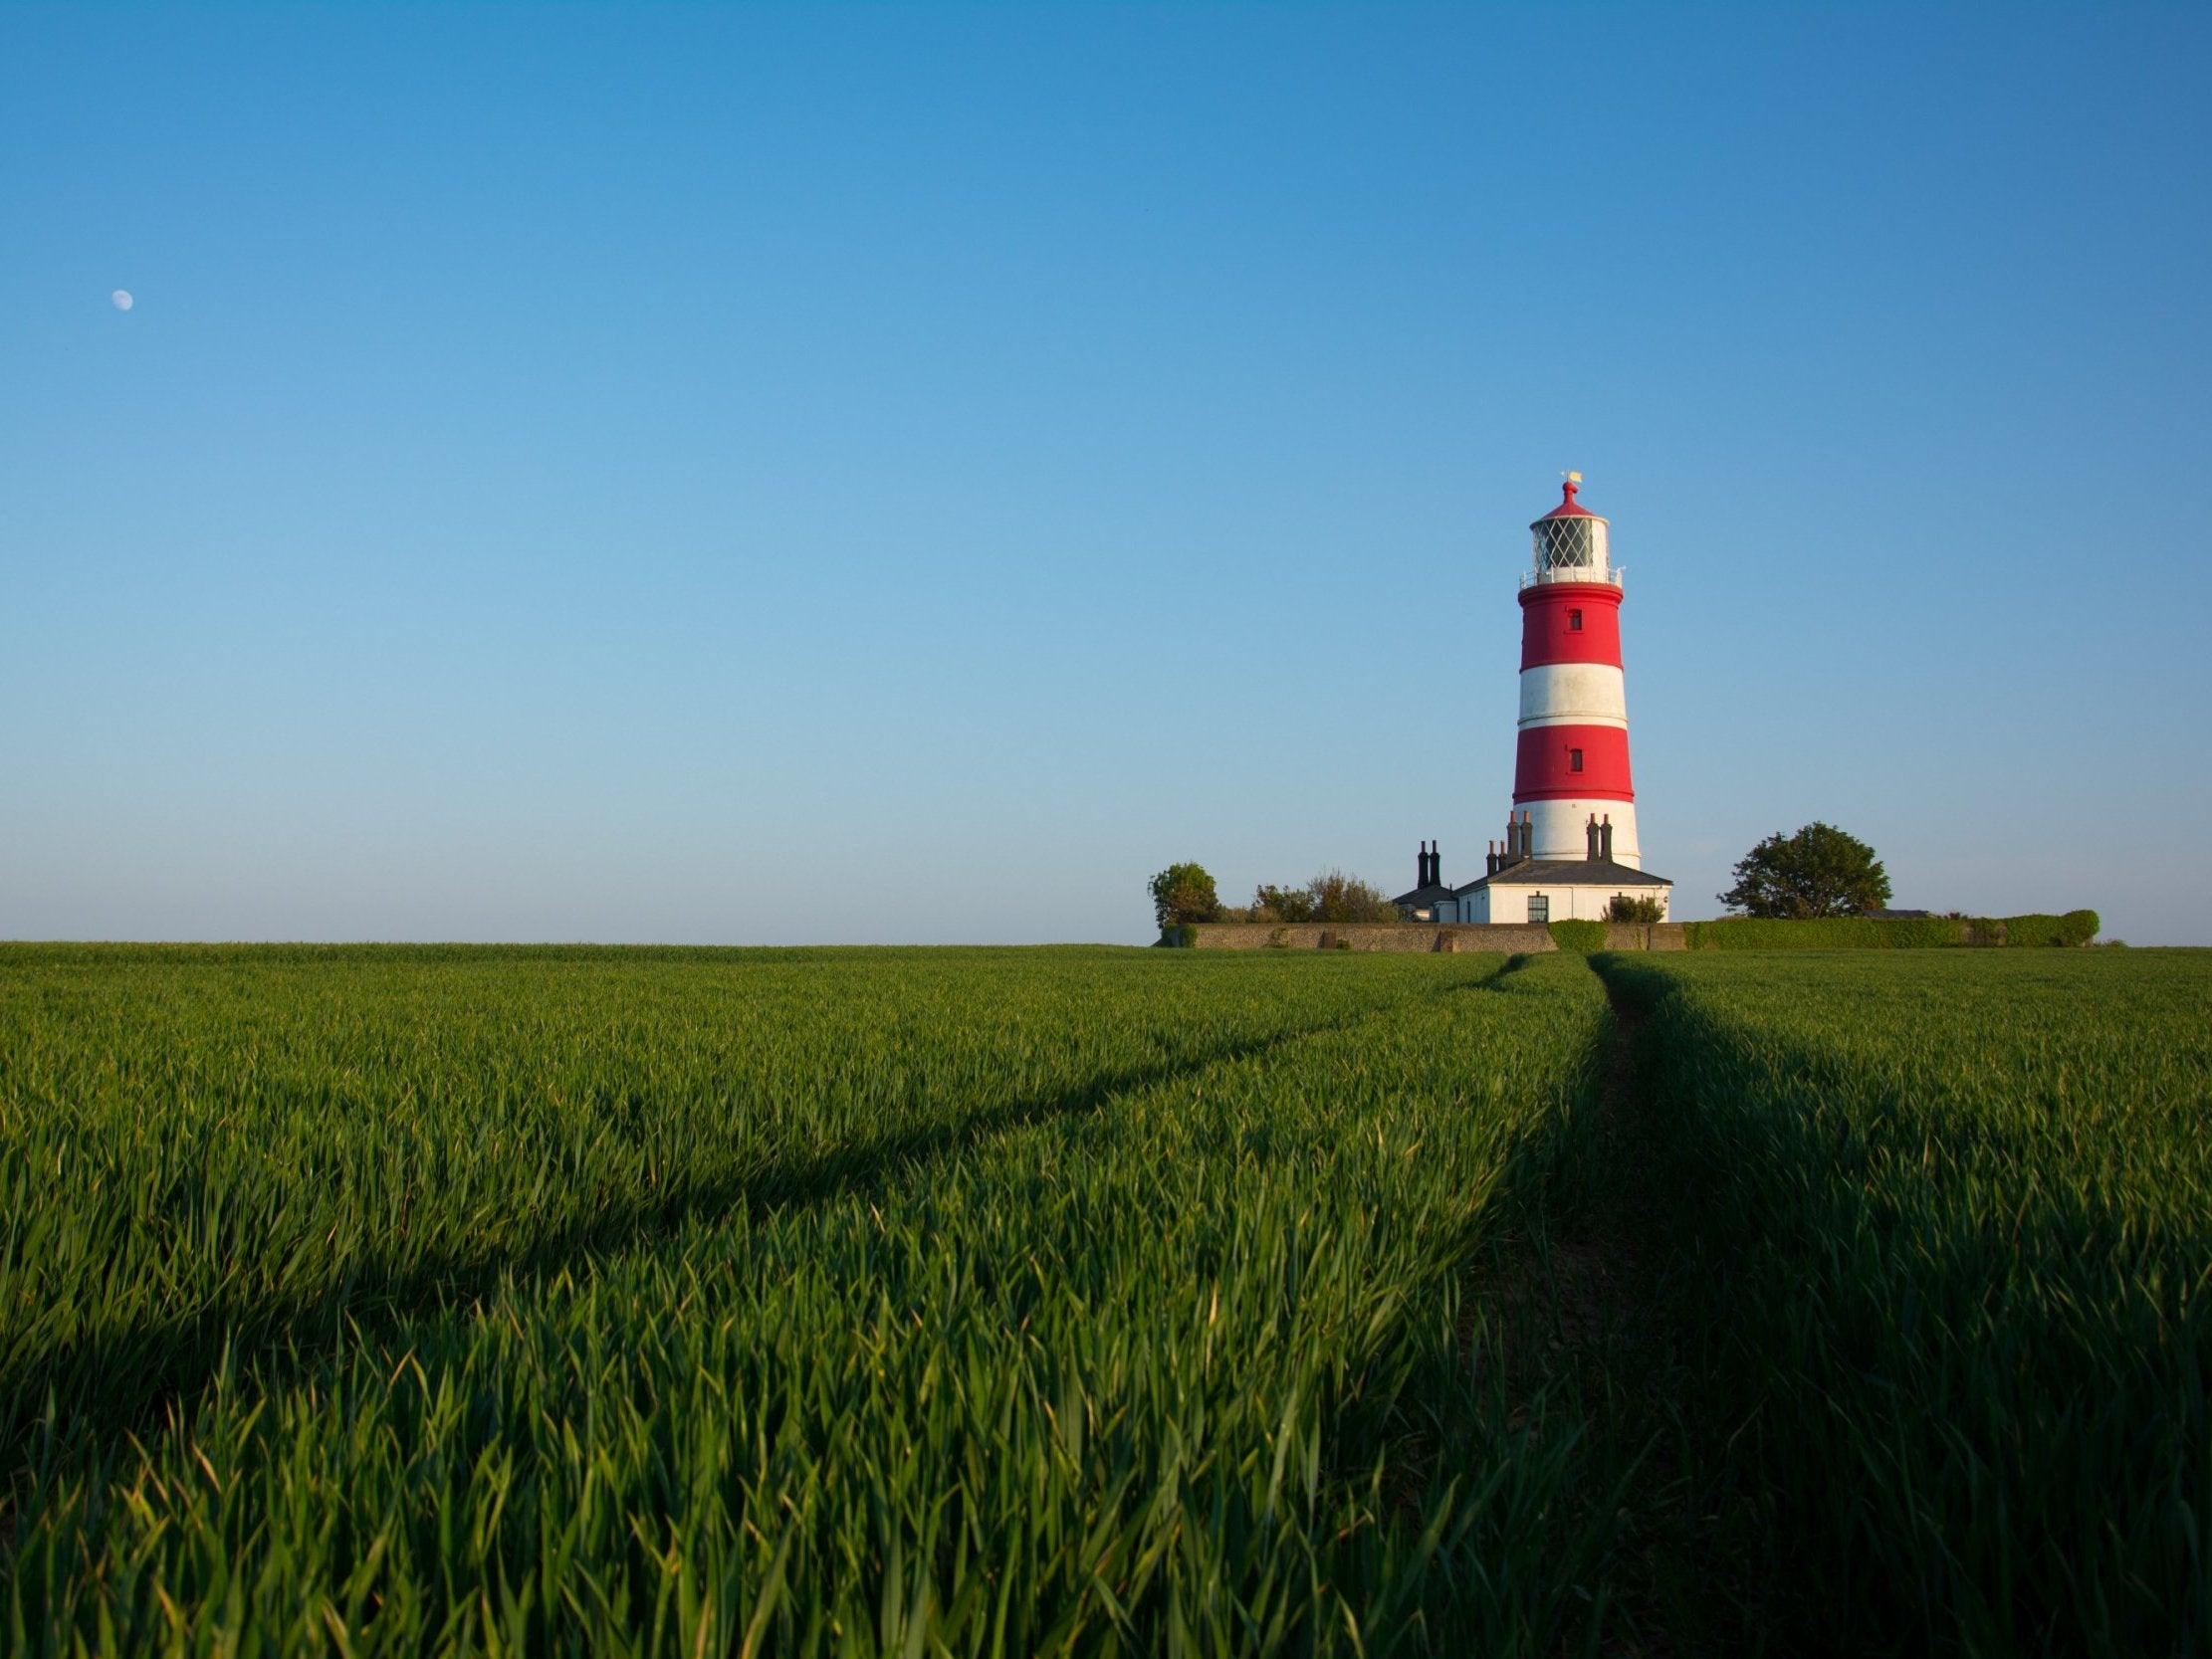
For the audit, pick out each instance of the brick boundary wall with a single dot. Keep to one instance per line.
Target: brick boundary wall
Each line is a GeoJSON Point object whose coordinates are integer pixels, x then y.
{"type": "Point", "coordinates": [1421, 936]}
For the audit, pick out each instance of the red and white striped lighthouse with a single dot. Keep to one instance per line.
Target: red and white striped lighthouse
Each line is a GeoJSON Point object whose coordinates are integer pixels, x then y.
{"type": "Point", "coordinates": [1571, 768]}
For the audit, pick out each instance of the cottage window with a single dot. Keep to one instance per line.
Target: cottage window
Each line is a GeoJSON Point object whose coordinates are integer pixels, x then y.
{"type": "Point", "coordinates": [1539, 906]}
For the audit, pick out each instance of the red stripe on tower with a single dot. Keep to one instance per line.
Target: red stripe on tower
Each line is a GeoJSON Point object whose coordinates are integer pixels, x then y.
{"type": "Point", "coordinates": [1571, 762]}
{"type": "Point", "coordinates": [1570, 622]}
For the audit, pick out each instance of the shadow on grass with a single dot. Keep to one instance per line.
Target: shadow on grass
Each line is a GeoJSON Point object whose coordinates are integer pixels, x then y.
{"type": "Point", "coordinates": [1932, 1400]}
{"type": "Point", "coordinates": [128, 1379]}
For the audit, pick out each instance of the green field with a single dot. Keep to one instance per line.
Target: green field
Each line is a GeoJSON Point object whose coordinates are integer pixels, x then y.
{"type": "Point", "coordinates": [1939, 1229]}
{"type": "Point", "coordinates": [393, 1300]}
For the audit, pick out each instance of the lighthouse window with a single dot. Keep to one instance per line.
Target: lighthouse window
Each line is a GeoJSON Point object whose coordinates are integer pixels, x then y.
{"type": "Point", "coordinates": [1574, 760]}
{"type": "Point", "coordinates": [1567, 544]}
{"type": "Point", "coordinates": [1564, 544]}
{"type": "Point", "coordinates": [1574, 622]}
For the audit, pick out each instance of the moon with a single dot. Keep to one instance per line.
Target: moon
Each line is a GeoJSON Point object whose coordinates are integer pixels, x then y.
{"type": "Point", "coordinates": [122, 300]}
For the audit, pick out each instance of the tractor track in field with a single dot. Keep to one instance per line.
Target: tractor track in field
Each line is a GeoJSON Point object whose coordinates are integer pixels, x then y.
{"type": "Point", "coordinates": [1607, 1305]}
{"type": "Point", "coordinates": [1620, 1315]}
{"type": "Point", "coordinates": [1583, 1315]}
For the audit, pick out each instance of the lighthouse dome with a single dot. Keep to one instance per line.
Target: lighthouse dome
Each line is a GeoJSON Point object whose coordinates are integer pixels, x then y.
{"type": "Point", "coordinates": [1571, 541]}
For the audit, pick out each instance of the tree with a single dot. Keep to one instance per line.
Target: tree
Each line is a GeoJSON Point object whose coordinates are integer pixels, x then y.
{"type": "Point", "coordinates": [1183, 893]}
{"type": "Point", "coordinates": [1282, 904]}
{"type": "Point", "coordinates": [1331, 896]}
{"type": "Point", "coordinates": [1341, 897]}
{"type": "Point", "coordinates": [1819, 870]}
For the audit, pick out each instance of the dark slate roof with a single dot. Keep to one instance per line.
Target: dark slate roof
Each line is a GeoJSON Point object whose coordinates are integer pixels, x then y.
{"type": "Point", "coordinates": [1567, 872]}
{"type": "Point", "coordinates": [1423, 897]}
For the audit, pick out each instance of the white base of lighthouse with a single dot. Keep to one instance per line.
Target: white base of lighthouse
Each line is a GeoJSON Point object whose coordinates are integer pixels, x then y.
{"type": "Point", "coordinates": [1561, 829]}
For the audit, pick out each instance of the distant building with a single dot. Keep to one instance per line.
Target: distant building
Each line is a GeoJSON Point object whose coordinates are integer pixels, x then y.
{"type": "Point", "coordinates": [1429, 889]}
{"type": "Point", "coordinates": [1517, 888]}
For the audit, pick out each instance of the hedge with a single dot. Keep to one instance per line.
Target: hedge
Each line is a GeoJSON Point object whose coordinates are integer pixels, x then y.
{"type": "Point", "coordinates": [1585, 937]}
{"type": "Point", "coordinates": [1837, 933]}
{"type": "Point", "coordinates": [1866, 933]}
{"type": "Point", "coordinates": [2074, 928]}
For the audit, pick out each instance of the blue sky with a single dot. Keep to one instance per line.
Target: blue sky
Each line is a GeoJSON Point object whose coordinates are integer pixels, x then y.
{"type": "Point", "coordinates": [875, 473]}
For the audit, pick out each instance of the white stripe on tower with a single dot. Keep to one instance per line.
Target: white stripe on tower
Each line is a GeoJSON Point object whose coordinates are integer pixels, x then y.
{"type": "Point", "coordinates": [1554, 693]}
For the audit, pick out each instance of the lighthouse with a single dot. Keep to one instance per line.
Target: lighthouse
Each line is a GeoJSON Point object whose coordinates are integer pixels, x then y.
{"type": "Point", "coordinates": [1570, 851]}
{"type": "Point", "coordinates": [1571, 763]}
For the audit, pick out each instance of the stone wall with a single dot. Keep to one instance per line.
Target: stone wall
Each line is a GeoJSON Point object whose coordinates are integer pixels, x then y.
{"type": "Point", "coordinates": [1403, 935]}
{"type": "Point", "coordinates": [1421, 936]}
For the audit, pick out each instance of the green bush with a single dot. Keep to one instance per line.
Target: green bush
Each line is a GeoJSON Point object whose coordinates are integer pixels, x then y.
{"type": "Point", "coordinates": [1844, 932]}
{"type": "Point", "coordinates": [1177, 935]}
{"type": "Point", "coordinates": [1584, 936]}
{"type": "Point", "coordinates": [1867, 933]}
{"type": "Point", "coordinates": [1332, 895]}
{"type": "Point", "coordinates": [2074, 928]}
{"type": "Point", "coordinates": [1281, 904]}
